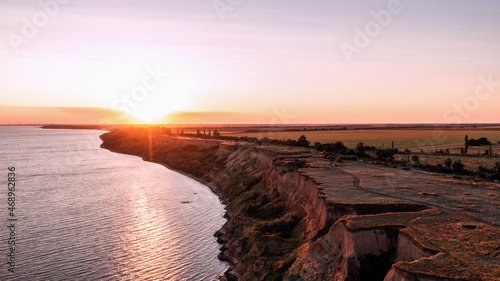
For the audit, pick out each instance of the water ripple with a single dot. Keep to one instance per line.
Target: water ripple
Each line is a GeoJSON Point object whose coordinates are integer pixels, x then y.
{"type": "Point", "coordinates": [86, 213]}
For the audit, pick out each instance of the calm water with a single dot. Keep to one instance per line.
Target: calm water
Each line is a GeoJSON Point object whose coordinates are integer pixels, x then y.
{"type": "Point", "coordinates": [85, 213]}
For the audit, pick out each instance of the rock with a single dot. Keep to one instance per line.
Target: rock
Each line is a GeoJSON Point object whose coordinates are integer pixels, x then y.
{"type": "Point", "coordinates": [221, 240]}
{"type": "Point", "coordinates": [222, 256]}
{"type": "Point", "coordinates": [231, 276]}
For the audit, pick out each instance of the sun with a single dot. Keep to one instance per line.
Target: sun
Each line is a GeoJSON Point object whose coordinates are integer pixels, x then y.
{"type": "Point", "coordinates": [157, 112]}
{"type": "Point", "coordinates": [156, 107]}
{"type": "Point", "coordinates": [150, 116]}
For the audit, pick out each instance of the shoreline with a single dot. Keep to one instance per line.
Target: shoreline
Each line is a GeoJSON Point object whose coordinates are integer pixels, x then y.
{"type": "Point", "coordinates": [231, 261]}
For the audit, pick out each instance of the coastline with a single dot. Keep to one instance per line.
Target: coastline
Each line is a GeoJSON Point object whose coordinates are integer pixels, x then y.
{"type": "Point", "coordinates": [188, 153]}
{"type": "Point", "coordinates": [294, 217]}
{"type": "Point", "coordinates": [230, 260]}
{"type": "Point", "coordinates": [209, 185]}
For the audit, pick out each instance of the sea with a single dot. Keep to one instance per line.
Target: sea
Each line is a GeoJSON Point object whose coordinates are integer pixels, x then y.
{"type": "Point", "coordinates": [80, 212]}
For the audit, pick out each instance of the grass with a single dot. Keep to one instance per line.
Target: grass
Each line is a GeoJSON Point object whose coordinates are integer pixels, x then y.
{"type": "Point", "coordinates": [471, 161]}
{"type": "Point", "coordinates": [413, 139]}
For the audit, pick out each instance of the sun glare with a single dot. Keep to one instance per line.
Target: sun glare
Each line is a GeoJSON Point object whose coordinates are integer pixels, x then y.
{"type": "Point", "coordinates": [157, 105]}
{"type": "Point", "coordinates": [150, 116]}
{"type": "Point", "coordinates": [156, 112]}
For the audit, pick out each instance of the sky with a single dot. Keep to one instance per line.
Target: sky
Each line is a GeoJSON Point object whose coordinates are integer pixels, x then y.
{"type": "Point", "coordinates": [242, 61]}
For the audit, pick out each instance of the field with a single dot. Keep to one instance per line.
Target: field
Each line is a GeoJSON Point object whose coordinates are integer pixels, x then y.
{"type": "Point", "coordinates": [470, 162]}
{"type": "Point", "coordinates": [413, 139]}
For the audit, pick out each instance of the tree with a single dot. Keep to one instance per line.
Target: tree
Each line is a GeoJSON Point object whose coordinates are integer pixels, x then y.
{"type": "Point", "coordinates": [360, 150]}
{"type": "Point", "coordinates": [303, 141]}
{"type": "Point", "coordinates": [337, 147]}
{"type": "Point", "coordinates": [415, 159]}
{"type": "Point", "coordinates": [385, 154]}
{"type": "Point", "coordinates": [360, 146]}
{"type": "Point", "coordinates": [483, 141]}
{"type": "Point", "coordinates": [483, 171]}
{"type": "Point", "coordinates": [466, 139]}
{"type": "Point", "coordinates": [318, 146]}
{"type": "Point", "coordinates": [458, 166]}
{"type": "Point", "coordinates": [447, 163]}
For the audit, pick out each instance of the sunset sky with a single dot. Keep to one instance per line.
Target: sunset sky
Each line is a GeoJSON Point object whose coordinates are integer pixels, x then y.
{"type": "Point", "coordinates": [252, 61]}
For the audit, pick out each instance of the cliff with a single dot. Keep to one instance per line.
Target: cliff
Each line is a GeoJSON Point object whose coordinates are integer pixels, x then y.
{"type": "Point", "coordinates": [293, 216]}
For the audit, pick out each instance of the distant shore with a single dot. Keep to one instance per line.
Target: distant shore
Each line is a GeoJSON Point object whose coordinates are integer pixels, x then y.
{"type": "Point", "coordinates": [282, 127]}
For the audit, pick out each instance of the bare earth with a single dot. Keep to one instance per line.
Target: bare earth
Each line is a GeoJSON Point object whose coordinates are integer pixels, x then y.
{"type": "Point", "coordinates": [460, 222]}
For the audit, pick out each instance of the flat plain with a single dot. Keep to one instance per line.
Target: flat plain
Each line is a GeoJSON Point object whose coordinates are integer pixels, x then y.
{"type": "Point", "coordinates": [414, 139]}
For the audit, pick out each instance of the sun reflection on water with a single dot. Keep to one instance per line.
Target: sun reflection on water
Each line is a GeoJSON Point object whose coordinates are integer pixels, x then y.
{"type": "Point", "coordinates": [146, 241]}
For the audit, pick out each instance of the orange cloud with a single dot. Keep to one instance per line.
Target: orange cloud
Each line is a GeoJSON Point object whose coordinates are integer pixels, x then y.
{"type": "Point", "coordinates": [90, 115]}
{"type": "Point", "coordinates": [61, 115]}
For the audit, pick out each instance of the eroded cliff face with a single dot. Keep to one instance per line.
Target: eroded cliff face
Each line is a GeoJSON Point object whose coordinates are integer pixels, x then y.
{"type": "Point", "coordinates": [368, 253]}
{"type": "Point", "coordinates": [286, 209]}
{"type": "Point", "coordinates": [273, 209]}
{"type": "Point", "coordinates": [280, 224]}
